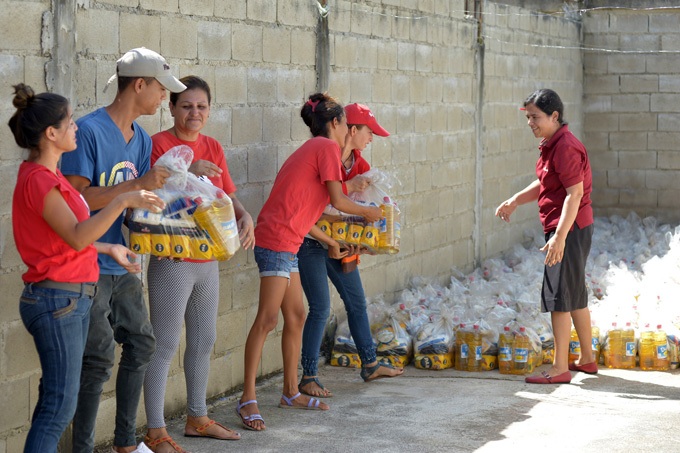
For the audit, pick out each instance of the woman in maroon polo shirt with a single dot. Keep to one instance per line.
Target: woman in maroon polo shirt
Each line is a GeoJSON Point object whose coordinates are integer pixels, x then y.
{"type": "Point", "coordinates": [563, 191]}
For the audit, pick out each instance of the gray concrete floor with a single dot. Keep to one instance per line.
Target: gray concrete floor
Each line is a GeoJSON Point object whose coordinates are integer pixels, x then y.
{"type": "Point", "coordinates": [455, 411]}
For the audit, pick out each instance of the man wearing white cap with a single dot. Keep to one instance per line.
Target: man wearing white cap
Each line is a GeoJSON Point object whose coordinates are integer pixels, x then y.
{"type": "Point", "coordinates": [113, 157]}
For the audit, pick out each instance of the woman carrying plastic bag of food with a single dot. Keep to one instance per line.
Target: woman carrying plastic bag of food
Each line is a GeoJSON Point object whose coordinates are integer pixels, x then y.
{"type": "Point", "coordinates": [306, 182]}
{"type": "Point", "coordinates": [563, 193]}
{"type": "Point", "coordinates": [320, 257]}
{"type": "Point", "coordinates": [188, 289]}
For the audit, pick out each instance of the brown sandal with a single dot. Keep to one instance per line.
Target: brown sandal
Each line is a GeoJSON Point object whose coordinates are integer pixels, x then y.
{"type": "Point", "coordinates": [202, 431]}
{"type": "Point", "coordinates": [153, 443]}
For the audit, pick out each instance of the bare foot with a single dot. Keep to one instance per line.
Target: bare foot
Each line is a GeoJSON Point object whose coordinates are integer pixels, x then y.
{"type": "Point", "coordinates": [314, 389]}
{"type": "Point", "coordinates": [162, 447]}
{"type": "Point", "coordinates": [247, 411]}
{"type": "Point", "coordinates": [303, 401]}
{"type": "Point", "coordinates": [214, 430]}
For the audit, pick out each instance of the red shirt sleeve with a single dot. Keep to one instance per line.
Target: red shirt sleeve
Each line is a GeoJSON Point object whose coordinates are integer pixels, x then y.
{"type": "Point", "coordinates": [568, 165]}
{"type": "Point", "coordinates": [37, 188]}
{"type": "Point", "coordinates": [328, 162]}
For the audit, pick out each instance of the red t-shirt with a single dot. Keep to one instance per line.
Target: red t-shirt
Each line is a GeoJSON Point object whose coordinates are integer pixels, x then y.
{"type": "Point", "coordinates": [360, 167]}
{"type": "Point", "coordinates": [299, 195]}
{"type": "Point", "coordinates": [563, 163]}
{"type": "Point", "coordinates": [205, 148]}
{"type": "Point", "coordinates": [46, 254]}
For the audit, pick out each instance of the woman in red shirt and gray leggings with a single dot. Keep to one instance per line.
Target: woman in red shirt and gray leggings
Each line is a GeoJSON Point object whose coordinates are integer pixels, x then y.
{"type": "Point", "coordinates": [54, 232]}
{"type": "Point", "coordinates": [563, 191]}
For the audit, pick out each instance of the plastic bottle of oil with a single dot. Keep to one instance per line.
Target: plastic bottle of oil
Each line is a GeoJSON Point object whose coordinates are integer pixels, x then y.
{"type": "Point", "coordinates": [661, 360]}
{"type": "Point", "coordinates": [647, 348]}
{"type": "Point", "coordinates": [574, 346]}
{"type": "Point", "coordinates": [475, 349]}
{"type": "Point", "coordinates": [628, 341]}
{"type": "Point", "coordinates": [520, 352]}
{"type": "Point", "coordinates": [615, 348]}
{"type": "Point", "coordinates": [595, 332]}
{"type": "Point", "coordinates": [218, 220]}
{"type": "Point", "coordinates": [389, 237]}
{"type": "Point", "coordinates": [505, 351]}
{"type": "Point", "coordinates": [461, 353]}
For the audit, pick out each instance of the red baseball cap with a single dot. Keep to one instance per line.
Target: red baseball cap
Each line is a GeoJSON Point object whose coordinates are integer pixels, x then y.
{"type": "Point", "coordinates": [360, 114]}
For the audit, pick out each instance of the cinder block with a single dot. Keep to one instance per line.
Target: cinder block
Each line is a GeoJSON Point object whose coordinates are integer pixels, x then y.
{"type": "Point", "coordinates": [660, 64]}
{"type": "Point", "coordinates": [423, 177]}
{"type": "Point", "coordinates": [261, 85]}
{"type": "Point", "coordinates": [670, 41]}
{"type": "Point", "coordinates": [669, 83]}
{"type": "Point", "coordinates": [276, 127]}
{"type": "Point", "coordinates": [665, 102]}
{"type": "Point", "coordinates": [179, 37]}
{"type": "Point", "coordinates": [339, 86]}
{"type": "Point", "coordinates": [290, 86]}
{"type": "Point", "coordinates": [97, 31]}
{"type": "Point", "coordinates": [20, 350]}
{"type": "Point", "coordinates": [197, 7]}
{"type": "Point", "coordinates": [401, 89]}
{"type": "Point", "coordinates": [230, 85]}
{"type": "Point", "coordinates": [602, 84]}
{"type": "Point", "coordinates": [649, 42]}
{"type": "Point", "coordinates": [139, 30]}
{"type": "Point", "coordinates": [214, 40]}
{"type": "Point", "coordinates": [303, 47]}
{"type": "Point", "coordinates": [637, 121]}
{"type": "Point", "coordinates": [668, 199]}
{"type": "Point", "coordinates": [627, 23]}
{"type": "Point", "coordinates": [231, 332]}
{"type": "Point", "coordinates": [605, 197]}
{"type": "Point", "coordinates": [406, 121]}
{"type": "Point", "coordinates": [633, 141]}
{"type": "Point", "coordinates": [387, 54]}
{"type": "Point", "coordinates": [360, 87]}
{"type": "Point", "coordinates": [360, 22]}
{"type": "Point", "coordinates": [637, 159]}
{"type": "Point", "coordinates": [661, 23]}
{"type": "Point", "coordinates": [34, 73]}
{"type": "Point", "coordinates": [662, 179]}
{"type": "Point", "coordinates": [230, 9]}
{"type": "Point", "coordinates": [339, 19]}
{"type": "Point", "coordinates": [246, 125]}
{"type": "Point", "coordinates": [406, 58]}
{"type": "Point", "coordinates": [630, 103]}
{"type": "Point", "coordinates": [20, 25]}
{"type": "Point", "coordinates": [298, 129]}
{"type": "Point", "coordinates": [435, 31]}
{"type": "Point", "coordinates": [622, 64]}
{"type": "Point", "coordinates": [171, 6]}
{"type": "Point", "coordinates": [345, 49]}
{"type": "Point", "coordinates": [435, 147]}
{"type": "Point", "coordinates": [596, 104]}
{"type": "Point", "coordinates": [367, 54]}
{"type": "Point", "coordinates": [297, 12]}
{"type": "Point", "coordinates": [608, 41]}
{"type": "Point", "coordinates": [664, 140]}
{"type": "Point", "coordinates": [423, 58]}
{"type": "Point", "coordinates": [648, 83]}
{"type": "Point", "coordinates": [245, 287]}
{"type": "Point", "coordinates": [668, 160]}
{"type": "Point", "coordinates": [271, 360]}
{"type": "Point", "coordinates": [262, 10]}
{"type": "Point", "coordinates": [246, 42]}
{"type": "Point", "coordinates": [600, 122]}
{"type": "Point", "coordinates": [381, 24]}
{"type": "Point", "coordinates": [596, 22]}
{"type": "Point", "coordinates": [401, 28]}
{"type": "Point", "coordinates": [219, 125]}
{"type": "Point", "coordinates": [669, 122]}
{"type": "Point", "coordinates": [423, 121]}
{"type": "Point", "coordinates": [14, 399]}
{"type": "Point", "coordinates": [381, 91]}
{"type": "Point", "coordinates": [418, 28]}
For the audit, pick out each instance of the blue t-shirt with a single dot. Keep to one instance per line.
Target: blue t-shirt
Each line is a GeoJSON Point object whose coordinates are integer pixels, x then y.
{"type": "Point", "coordinates": [106, 159]}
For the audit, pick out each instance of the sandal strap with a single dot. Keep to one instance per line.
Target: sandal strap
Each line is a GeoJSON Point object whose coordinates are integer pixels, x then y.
{"type": "Point", "coordinates": [546, 375]}
{"type": "Point", "coordinates": [152, 443]}
{"type": "Point", "coordinates": [200, 429]}
{"type": "Point", "coordinates": [290, 400]}
{"type": "Point", "coordinates": [240, 404]}
{"type": "Point", "coordinates": [309, 380]}
{"type": "Point", "coordinates": [312, 404]}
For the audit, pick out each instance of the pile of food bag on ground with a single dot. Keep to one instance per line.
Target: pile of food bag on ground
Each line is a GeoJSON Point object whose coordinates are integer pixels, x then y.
{"type": "Point", "coordinates": [491, 318]}
{"type": "Point", "coordinates": [198, 221]}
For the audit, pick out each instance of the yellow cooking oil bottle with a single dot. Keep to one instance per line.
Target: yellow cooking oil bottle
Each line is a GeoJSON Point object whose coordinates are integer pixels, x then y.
{"type": "Point", "coordinates": [218, 221]}
{"type": "Point", "coordinates": [574, 346]}
{"type": "Point", "coordinates": [475, 349]}
{"type": "Point", "coordinates": [654, 349]}
{"type": "Point", "coordinates": [505, 351]}
{"type": "Point", "coordinates": [520, 352]}
{"type": "Point", "coordinates": [595, 339]}
{"type": "Point", "coordinates": [389, 238]}
{"type": "Point", "coordinates": [614, 348]}
{"type": "Point", "coordinates": [628, 340]}
{"type": "Point", "coordinates": [460, 358]}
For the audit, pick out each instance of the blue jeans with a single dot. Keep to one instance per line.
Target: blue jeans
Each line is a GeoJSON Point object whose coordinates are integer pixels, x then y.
{"type": "Point", "coordinates": [57, 320]}
{"type": "Point", "coordinates": [118, 315]}
{"type": "Point", "coordinates": [315, 269]}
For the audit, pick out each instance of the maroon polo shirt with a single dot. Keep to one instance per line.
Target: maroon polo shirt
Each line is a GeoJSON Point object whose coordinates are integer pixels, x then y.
{"type": "Point", "coordinates": [563, 163]}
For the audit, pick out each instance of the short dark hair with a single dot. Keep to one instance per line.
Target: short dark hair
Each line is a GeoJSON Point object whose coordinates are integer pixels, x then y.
{"type": "Point", "coordinates": [548, 102]}
{"type": "Point", "coordinates": [124, 82]}
{"type": "Point", "coordinates": [192, 82]}
{"type": "Point", "coordinates": [320, 110]}
{"type": "Point", "coordinates": [35, 113]}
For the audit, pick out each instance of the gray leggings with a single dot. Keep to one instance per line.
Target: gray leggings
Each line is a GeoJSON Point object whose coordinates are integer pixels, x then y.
{"type": "Point", "coordinates": [181, 292]}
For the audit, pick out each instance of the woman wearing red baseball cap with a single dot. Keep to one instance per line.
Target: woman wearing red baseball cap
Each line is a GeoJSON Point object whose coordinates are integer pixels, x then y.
{"type": "Point", "coordinates": [318, 264]}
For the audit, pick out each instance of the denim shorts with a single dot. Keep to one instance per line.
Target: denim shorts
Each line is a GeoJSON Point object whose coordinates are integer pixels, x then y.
{"type": "Point", "coordinates": [275, 264]}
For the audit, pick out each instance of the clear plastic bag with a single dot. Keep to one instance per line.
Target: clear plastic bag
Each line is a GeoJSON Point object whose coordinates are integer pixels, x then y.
{"type": "Point", "coordinates": [198, 221]}
{"type": "Point", "coordinates": [393, 341]}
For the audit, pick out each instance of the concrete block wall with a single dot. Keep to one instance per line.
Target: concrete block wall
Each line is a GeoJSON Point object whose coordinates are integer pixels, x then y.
{"type": "Point", "coordinates": [632, 116]}
{"type": "Point", "coordinates": [413, 62]}
{"type": "Point", "coordinates": [515, 65]}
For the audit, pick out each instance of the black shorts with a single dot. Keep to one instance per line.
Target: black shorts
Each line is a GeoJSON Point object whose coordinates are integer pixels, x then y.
{"type": "Point", "coordinates": [564, 284]}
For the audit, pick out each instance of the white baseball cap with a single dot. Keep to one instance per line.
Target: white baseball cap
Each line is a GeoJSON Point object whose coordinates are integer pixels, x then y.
{"type": "Point", "coordinates": [142, 62]}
